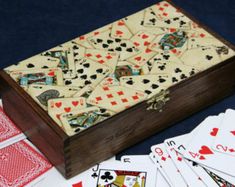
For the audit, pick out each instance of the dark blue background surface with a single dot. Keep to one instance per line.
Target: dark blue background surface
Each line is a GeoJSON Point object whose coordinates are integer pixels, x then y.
{"type": "Point", "coordinates": [28, 27]}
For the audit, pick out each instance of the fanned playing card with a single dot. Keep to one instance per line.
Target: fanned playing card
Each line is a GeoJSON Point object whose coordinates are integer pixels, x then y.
{"type": "Point", "coordinates": [209, 176]}
{"type": "Point", "coordinates": [21, 164]}
{"type": "Point", "coordinates": [166, 180]}
{"type": "Point", "coordinates": [9, 133]}
{"type": "Point", "coordinates": [187, 173]}
{"type": "Point", "coordinates": [201, 151]}
{"type": "Point", "coordinates": [225, 135]}
{"type": "Point", "coordinates": [167, 164]}
{"type": "Point", "coordinates": [115, 98]}
{"type": "Point", "coordinates": [50, 77]}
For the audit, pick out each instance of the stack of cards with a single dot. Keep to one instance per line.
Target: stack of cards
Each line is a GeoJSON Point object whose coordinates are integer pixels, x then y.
{"type": "Point", "coordinates": [91, 78]}
{"type": "Point", "coordinates": [21, 164]}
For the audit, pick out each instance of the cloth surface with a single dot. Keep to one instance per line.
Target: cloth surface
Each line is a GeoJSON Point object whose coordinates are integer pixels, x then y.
{"type": "Point", "coordinates": [30, 27]}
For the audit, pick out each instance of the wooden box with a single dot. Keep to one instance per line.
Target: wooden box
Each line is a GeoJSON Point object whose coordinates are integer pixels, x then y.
{"type": "Point", "coordinates": [178, 37]}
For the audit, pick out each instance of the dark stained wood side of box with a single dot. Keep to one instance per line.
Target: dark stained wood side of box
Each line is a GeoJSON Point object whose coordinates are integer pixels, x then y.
{"type": "Point", "coordinates": [33, 121]}
{"type": "Point", "coordinates": [72, 155]}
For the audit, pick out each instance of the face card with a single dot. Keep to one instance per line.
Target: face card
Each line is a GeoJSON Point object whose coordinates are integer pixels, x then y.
{"type": "Point", "coordinates": [89, 73]}
{"type": "Point", "coordinates": [168, 166]}
{"type": "Point", "coordinates": [42, 93]}
{"type": "Point", "coordinates": [13, 156]}
{"type": "Point", "coordinates": [9, 133]}
{"type": "Point", "coordinates": [174, 42]}
{"type": "Point", "coordinates": [145, 159]}
{"type": "Point", "coordinates": [115, 98]}
{"type": "Point", "coordinates": [103, 41]}
{"type": "Point", "coordinates": [125, 68]}
{"type": "Point", "coordinates": [35, 62]}
{"type": "Point", "coordinates": [41, 77]}
{"type": "Point", "coordinates": [225, 136]}
{"type": "Point", "coordinates": [120, 30]}
{"type": "Point", "coordinates": [220, 177]}
{"type": "Point", "coordinates": [78, 120]}
{"type": "Point", "coordinates": [201, 152]}
{"type": "Point", "coordinates": [56, 107]}
{"type": "Point", "coordinates": [224, 52]}
{"type": "Point", "coordinates": [103, 57]}
{"type": "Point", "coordinates": [149, 84]}
{"type": "Point", "coordinates": [189, 176]}
{"type": "Point", "coordinates": [123, 174]}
